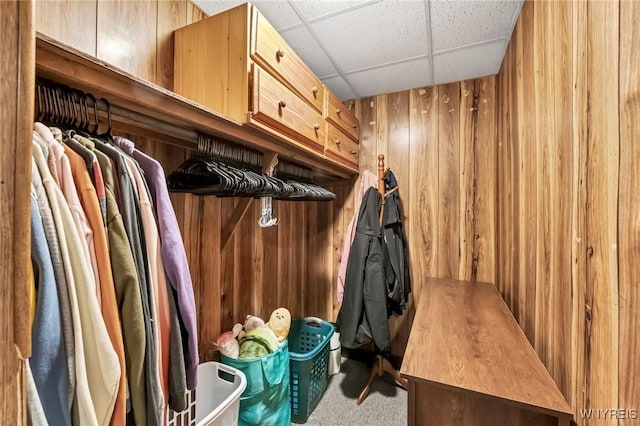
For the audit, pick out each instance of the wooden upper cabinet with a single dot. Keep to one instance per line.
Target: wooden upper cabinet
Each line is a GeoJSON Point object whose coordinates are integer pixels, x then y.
{"type": "Point", "coordinates": [270, 50]}
{"type": "Point", "coordinates": [236, 63]}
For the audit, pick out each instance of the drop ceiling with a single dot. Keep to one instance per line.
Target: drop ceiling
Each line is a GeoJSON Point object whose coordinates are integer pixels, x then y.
{"type": "Point", "coordinates": [365, 48]}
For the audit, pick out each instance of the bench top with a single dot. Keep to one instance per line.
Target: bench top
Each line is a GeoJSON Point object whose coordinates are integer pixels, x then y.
{"type": "Point", "coordinates": [464, 337]}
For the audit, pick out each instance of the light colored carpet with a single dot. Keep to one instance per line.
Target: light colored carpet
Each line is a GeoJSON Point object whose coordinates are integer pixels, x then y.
{"type": "Point", "coordinates": [386, 404]}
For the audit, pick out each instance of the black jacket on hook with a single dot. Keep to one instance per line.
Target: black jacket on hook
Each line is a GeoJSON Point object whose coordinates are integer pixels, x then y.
{"type": "Point", "coordinates": [363, 315]}
{"type": "Point", "coordinates": [396, 252]}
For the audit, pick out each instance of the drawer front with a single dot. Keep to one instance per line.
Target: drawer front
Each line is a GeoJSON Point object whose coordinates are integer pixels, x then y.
{"type": "Point", "coordinates": [339, 115]}
{"type": "Point", "coordinates": [272, 52]}
{"type": "Point", "coordinates": [341, 147]}
{"type": "Point", "coordinates": [278, 107]}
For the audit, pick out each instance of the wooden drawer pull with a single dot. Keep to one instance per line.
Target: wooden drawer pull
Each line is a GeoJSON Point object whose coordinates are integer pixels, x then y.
{"type": "Point", "coordinates": [337, 141]}
{"type": "Point", "coordinates": [282, 104]}
{"type": "Point", "coordinates": [338, 111]}
{"type": "Point", "coordinates": [316, 126]}
{"type": "Point", "coordinates": [314, 89]}
{"type": "Point", "coordinates": [353, 152]}
{"type": "Point", "coordinates": [354, 126]}
{"type": "Point", "coordinates": [280, 53]}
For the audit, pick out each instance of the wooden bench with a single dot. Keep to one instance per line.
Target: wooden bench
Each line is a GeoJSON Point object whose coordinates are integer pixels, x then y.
{"type": "Point", "coordinates": [469, 363]}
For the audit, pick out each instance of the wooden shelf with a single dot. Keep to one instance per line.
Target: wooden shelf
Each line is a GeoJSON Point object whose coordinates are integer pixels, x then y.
{"type": "Point", "coordinates": [66, 65]}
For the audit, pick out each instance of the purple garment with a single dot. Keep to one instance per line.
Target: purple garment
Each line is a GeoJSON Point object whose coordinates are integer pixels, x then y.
{"type": "Point", "coordinates": [174, 257]}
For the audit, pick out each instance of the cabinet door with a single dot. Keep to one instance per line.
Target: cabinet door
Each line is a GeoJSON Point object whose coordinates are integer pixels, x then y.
{"type": "Point", "coordinates": [273, 53]}
{"type": "Point", "coordinates": [279, 108]}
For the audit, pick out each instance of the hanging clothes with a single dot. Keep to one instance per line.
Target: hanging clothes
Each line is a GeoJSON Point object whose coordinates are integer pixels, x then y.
{"type": "Point", "coordinates": [173, 257]}
{"type": "Point", "coordinates": [396, 251]}
{"type": "Point", "coordinates": [368, 180]}
{"type": "Point", "coordinates": [109, 305]}
{"type": "Point", "coordinates": [123, 344]}
{"type": "Point", "coordinates": [158, 284]}
{"type": "Point", "coordinates": [93, 397]}
{"type": "Point", "coordinates": [363, 314]}
{"type": "Point", "coordinates": [48, 361]}
{"type": "Point", "coordinates": [62, 286]}
{"type": "Point", "coordinates": [127, 287]}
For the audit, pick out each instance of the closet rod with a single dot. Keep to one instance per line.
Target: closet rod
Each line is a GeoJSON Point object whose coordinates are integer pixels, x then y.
{"type": "Point", "coordinates": [153, 124]}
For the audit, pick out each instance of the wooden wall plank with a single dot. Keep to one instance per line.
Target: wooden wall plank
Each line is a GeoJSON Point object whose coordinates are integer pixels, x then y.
{"type": "Point", "coordinates": [368, 137]}
{"type": "Point", "coordinates": [423, 203]}
{"type": "Point", "coordinates": [271, 248]}
{"type": "Point", "coordinates": [172, 14]}
{"type": "Point", "coordinates": [528, 200]}
{"type": "Point", "coordinates": [71, 22]}
{"type": "Point", "coordinates": [484, 184]}
{"type": "Point", "coordinates": [194, 13]}
{"type": "Point", "coordinates": [16, 105]}
{"type": "Point", "coordinates": [448, 180]}
{"type": "Point", "coordinates": [228, 314]}
{"type": "Point", "coordinates": [543, 96]}
{"type": "Point", "coordinates": [342, 213]}
{"type": "Point", "coordinates": [561, 156]}
{"type": "Point", "coordinates": [398, 160]}
{"type": "Point", "coordinates": [316, 265]}
{"type": "Point", "coordinates": [126, 36]}
{"type": "Point", "coordinates": [466, 188]}
{"type": "Point", "coordinates": [601, 298]}
{"type": "Point", "coordinates": [578, 396]}
{"type": "Point", "coordinates": [382, 128]}
{"type": "Point", "coordinates": [208, 281]}
{"type": "Point", "coordinates": [629, 204]}
{"type": "Point", "coordinates": [245, 286]}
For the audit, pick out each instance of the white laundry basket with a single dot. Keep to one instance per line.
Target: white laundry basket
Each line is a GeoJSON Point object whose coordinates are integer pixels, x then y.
{"type": "Point", "coordinates": [216, 399]}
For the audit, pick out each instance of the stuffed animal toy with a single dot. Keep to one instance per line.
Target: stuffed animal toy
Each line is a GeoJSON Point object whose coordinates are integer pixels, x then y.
{"type": "Point", "coordinates": [280, 323]}
{"type": "Point", "coordinates": [227, 344]}
{"type": "Point", "coordinates": [250, 323]}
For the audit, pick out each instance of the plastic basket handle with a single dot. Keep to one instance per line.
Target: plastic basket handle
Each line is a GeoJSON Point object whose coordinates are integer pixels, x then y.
{"type": "Point", "coordinates": [313, 321]}
{"type": "Point", "coordinates": [228, 370]}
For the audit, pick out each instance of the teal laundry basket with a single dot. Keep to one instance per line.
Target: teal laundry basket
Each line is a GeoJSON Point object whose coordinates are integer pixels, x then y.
{"type": "Point", "coordinates": [265, 401]}
{"type": "Point", "coordinates": [309, 363]}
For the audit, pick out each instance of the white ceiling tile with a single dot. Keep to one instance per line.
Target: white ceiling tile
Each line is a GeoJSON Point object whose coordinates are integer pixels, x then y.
{"type": "Point", "coordinates": [375, 34]}
{"type": "Point", "coordinates": [469, 62]}
{"type": "Point", "coordinates": [279, 13]}
{"type": "Point", "coordinates": [316, 9]}
{"type": "Point", "coordinates": [392, 78]}
{"type": "Point", "coordinates": [303, 43]}
{"type": "Point", "coordinates": [339, 87]}
{"type": "Point", "coordinates": [459, 23]}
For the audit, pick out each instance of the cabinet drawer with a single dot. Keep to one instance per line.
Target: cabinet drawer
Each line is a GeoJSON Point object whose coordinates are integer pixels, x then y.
{"type": "Point", "coordinates": [339, 115]}
{"type": "Point", "coordinates": [273, 53]}
{"type": "Point", "coordinates": [278, 107]}
{"type": "Point", "coordinates": [341, 147]}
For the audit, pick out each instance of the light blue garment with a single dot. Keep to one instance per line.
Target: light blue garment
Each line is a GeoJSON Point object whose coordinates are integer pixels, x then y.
{"type": "Point", "coordinates": [48, 361]}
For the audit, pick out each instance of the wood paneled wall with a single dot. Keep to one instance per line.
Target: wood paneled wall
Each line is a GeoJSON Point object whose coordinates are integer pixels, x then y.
{"type": "Point", "coordinates": [136, 36]}
{"type": "Point", "coordinates": [568, 196]}
{"type": "Point", "coordinates": [440, 143]}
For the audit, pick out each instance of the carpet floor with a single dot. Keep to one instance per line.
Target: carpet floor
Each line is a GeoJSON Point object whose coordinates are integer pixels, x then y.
{"type": "Point", "coordinates": [386, 404]}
